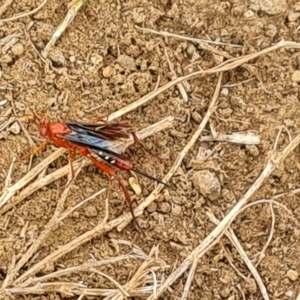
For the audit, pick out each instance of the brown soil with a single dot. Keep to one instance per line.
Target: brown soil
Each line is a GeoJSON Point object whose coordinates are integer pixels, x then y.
{"type": "Point", "coordinates": [102, 63]}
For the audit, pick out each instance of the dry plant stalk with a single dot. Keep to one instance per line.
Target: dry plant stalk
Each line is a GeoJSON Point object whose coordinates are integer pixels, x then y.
{"type": "Point", "coordinates": [74, 7]}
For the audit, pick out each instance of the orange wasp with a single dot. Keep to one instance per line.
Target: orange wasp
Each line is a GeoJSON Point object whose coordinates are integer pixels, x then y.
{"type": "Point", "coordinates": [94, 141]}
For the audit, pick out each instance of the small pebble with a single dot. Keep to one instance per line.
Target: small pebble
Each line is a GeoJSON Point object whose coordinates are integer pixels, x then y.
{"type": "Point", "coordinates": [126, 62]}
{"type": "Point", "coordinates": [152, 207]}
{"type": "Point", "coordinates": [191, 49]}
{"type": "Point", "coordinates": [225, 92]}
{"type": "Point", "coordinates": [208, 184]}
{"type": "Point", "coordinates": [72, 58]}
{"type": "Point", "coordinates": [289, 293]}
{"type": "Point", "coordinates": [107, 71]}
{"type": "Point", "coordinates": [17, 49]}
{"type": "Point", "coordinates": [296, 76]}
{"type": "Point", "coordinates": [225, 292]}
{"type": "Point", "coordinates": [57, 57]}
{"type": "Point", "coordinates": [91, 211]}
{"type": "Point", "coordinates": [15, 128]}
{"type": "Point", "coordinates": [288, 123]}
{"type": "Point", "coordinates": [249, 14]}
{"type": "Point", "coordinates": [176, 210]}
{"type": "Point", "coordinates": [96, 59]}
{"type": "Point", "coordinates": [164, 207]}
{"type": "Point", "coordinates": [292, 275]}
{"type": "Point", "coordinates": [293, 16]}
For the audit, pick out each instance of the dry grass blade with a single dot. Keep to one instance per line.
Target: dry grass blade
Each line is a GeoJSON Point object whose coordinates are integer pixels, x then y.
{"type": "Point", "coordinates": [275, 159]}
{"type": "Point", "coordinates": [200, 41]}
{"type": "Point", "coordinates": [74, 7]}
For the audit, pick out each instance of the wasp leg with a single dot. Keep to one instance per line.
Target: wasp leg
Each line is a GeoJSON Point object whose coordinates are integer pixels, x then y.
{"type": "Point", "coordinates": [35, 151]}
{"type": "Point", "coordinates": [106, 169]}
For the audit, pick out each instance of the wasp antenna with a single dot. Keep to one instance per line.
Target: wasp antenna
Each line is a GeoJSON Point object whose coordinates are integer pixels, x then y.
{"type": "Point", "coordinates": [152, 178]}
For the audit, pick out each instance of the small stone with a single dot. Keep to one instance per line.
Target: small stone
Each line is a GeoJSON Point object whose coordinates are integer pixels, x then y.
{"type": "Point", "coordinates": [31, 82]}
{"type": "Point", "coordinates": [135, 185]}
{"type": "Point", "coordinates": [289, 293]}
{"type": "Point", "coordinates": [126, 62]}
{"type": "Point", "coordinates": [96, 59]}
{"type": "Point", "coordinates": [225, 92]}
{"type": "Point", "coordinates": [17, 49]}
{"type": "Point", "coordinates": [288, 123]}
{"type": "Point", "coordinates": [293, 16]}
{"type": "Point", "coordinates": [190, 50]}
{"type": "Point", "coordinates": [164, 207]}
{"type": "Point", "coordinates": [15, 128]}
{"type": "Point", "coordinates": [296, 76]}
{"type": "Point", "coordinates": [249, 14]}
{"type": "Point", "coordinates": [196, 116]}
{"type": "Point", "coordinates": [152, 207]}
{"type": "Point", "coordinates": [225, 292]}
{"type": "Point", "coordinates": [57, 57]}
{"type": "Point", "coordinates": [292, 275]}
{"type": "Point", "coordinates": [72, 58]}
{"type": "Point", "coordinates": [107, 71]}
{"type": "Point", "coordinates": [208, 184]}
{"type": "Point", "coordinates": [176, 210]}
{"type": "Point", "coordinates": [91, 211]}
{"type": "Point", "coordinates": [253, 150]}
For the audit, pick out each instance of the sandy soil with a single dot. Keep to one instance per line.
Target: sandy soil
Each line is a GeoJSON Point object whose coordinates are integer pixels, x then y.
{"type": "Point", "coordinates": [104, 62]}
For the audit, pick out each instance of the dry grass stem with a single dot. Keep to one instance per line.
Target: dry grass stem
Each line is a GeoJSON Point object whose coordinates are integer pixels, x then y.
{"type": "Point", "coordinates": [119, 286]}
{"type": "Point", "coordinates": [186, 38]}
{"type": "Point", "coordinates": [225, 66]}
{"type": "Point", "coordinates": [189, 280]}
{"type": "Point", "coordinates": [262, 252]}
{"type": "Point", "coordinates": [179, 85]}
{"type": "Point", "coordinates": [245, 138]}
{"type": "Point", "coordinates": [70, 210]}
{"type": "Point", "coordinates": [8, 176]}
{"type": "Point", "coordinates": [25, 14]}
{"type": "Point", "coordinates": [275, 159]}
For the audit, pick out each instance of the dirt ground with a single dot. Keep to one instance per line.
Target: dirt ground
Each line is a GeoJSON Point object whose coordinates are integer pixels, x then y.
{"type": "Point", "coordinates": [104, 62]}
